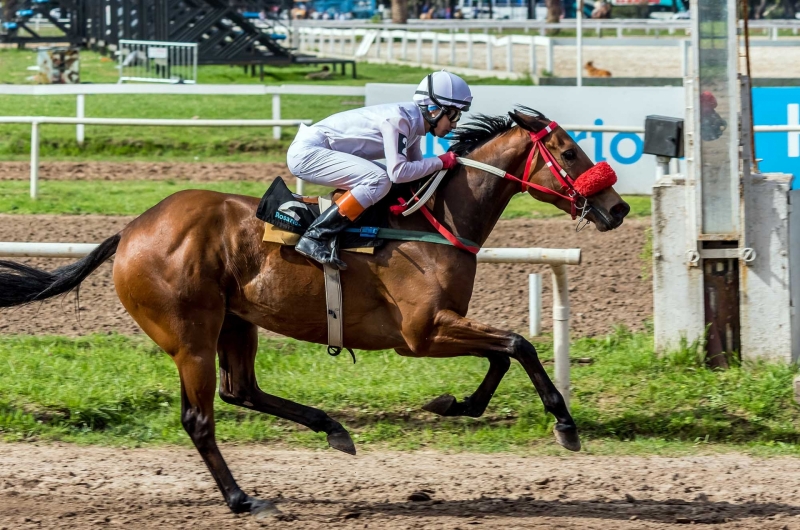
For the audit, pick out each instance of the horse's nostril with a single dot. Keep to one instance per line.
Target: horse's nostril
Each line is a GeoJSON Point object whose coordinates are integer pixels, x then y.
{"type": "Point", "coordinates": [620, 210]}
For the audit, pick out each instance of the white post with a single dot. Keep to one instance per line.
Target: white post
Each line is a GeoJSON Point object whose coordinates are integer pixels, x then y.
{"type": "Point", "coordinates": [509, 55]}
{"type": "Point", "coordinates": [276, 115]}
{"type": "Point", "coordinates": [549, 60]}
{"type": "Point", "coordinates": [81, 113]}
{"type": "Point", "coordinates": [378, 44]}
{"type": "Point", "coordinates": [619, 32]}
{"type": "Point", "coordinates": [404, 46]}
{"type": "Point", "coordinates": [419, 48]}
{"type": "Point", "coordinates": [561, 329]}
{"type": "Point", "coordinates": [452, 48]}
{"type": "Point", "coordinates": [532, 58]}
{"type": "Point", "coordinates": [469, 50]}
{"type": "Point", "coordinates": [489, 61]}
{"type": "Point", "coordinates": [435, 48]}
{"type": "Point", "coordinates": [535, 304]}
{"type": "Point", "coordinates": [775, 33]}
{"type": "Point", "coordinates": [353, 41]}
{"type": "Point", "coordinates": [579, 43]}
{"type": "Point", "coordinates": [34, 159]}
{"type": "Point", "coordinates": [342, 42]}
{"type": "Point", "coordinates": [684, 46]}
{"type": "Point", "coordinates": [390, 46]}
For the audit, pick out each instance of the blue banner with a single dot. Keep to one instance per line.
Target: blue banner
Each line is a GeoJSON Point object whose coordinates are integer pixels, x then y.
{"type": "Point", "coordinates": [779, 152]}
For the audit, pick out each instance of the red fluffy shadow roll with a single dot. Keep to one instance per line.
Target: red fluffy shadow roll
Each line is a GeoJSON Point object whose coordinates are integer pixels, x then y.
{"type": "Point", "coordinates": [595, 179]}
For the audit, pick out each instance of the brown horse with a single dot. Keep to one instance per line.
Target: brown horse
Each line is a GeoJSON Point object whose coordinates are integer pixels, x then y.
{"type": "Point", "coordinates": [195, 275]}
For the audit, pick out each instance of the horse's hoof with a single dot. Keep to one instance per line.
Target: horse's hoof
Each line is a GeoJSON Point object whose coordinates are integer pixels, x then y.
{"type": "Point", "coordinates": [264, 510]}
{"type": "Point", "coordinates": [568, 438]}
{"type": "Point", "coordinates": [341, 440]}
{"type": "Point", "coordinates": [441, 405]}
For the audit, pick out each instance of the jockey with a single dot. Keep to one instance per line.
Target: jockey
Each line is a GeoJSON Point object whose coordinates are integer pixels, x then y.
{"type": "Point", "coordinates": [339, 151]}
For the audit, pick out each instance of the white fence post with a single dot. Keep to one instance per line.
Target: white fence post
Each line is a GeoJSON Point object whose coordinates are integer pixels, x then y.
{"type": "Point", "coordinates": [535, 304]}
{"type": "Point", "coordinates": [80, 113]}
{"type": "Point", "coordinates": [561, 330]}
{"type": "Point", "coordinates": [34, 159]}
{"type": "Point", "coordinates": [276, 115]}
{"type": "Point", "coordinates": [532, 59]}
{"type": "Point", "coordinates": [389, 46]}
{"type": "Point", "coordinates": [452, 47]}
{"type": "Point", "coordinates": [378, 44]}
{"type": "Point", "coordinates": [353, 41]}
{"type": "Point", "coordinates": [549, 59]}
{"type": "Point", "coordinates": [404, 46]}
{"type": "Point", "coordinates": [469, 50]}
{"type": "Point", "coordinates": [489, 45]}
{"type": "Point", "coordinates": [510, 55]}
{"type": "Point", "coordinates": [435, 48]}
{"type": "Point", "coordinates": [419, 48]}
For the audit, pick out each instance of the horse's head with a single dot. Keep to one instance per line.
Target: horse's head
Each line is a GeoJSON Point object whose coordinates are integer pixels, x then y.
{"type": "Point", "coordinates": [603, 206]}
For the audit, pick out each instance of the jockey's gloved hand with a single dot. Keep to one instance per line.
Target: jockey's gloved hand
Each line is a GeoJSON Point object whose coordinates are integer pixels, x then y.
{"type": "Point", "coordinates": [448, 160]}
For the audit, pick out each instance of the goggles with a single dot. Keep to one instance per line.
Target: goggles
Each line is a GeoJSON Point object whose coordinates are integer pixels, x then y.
{"type": "Point", "coordinates": [453, 114]}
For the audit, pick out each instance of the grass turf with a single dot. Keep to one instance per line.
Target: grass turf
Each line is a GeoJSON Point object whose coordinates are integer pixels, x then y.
{"type": "Point", "coordinates": [134, 197]}
{"type": "Point", "coordinates": [119, 390]}
{"type": "Point", "coordinates": [156, 143]}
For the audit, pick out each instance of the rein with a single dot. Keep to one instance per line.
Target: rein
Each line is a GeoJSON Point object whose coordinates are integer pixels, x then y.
{"type": "Point", "coordinates": [568, 192]}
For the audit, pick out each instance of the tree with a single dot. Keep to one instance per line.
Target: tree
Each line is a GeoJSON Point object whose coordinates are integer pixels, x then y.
{"type": "Point", "coordinates": [399, 11]}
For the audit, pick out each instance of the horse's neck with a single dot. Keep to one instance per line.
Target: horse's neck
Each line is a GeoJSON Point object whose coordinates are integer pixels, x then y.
{"type": "Point", "coordinates": [472, 201]}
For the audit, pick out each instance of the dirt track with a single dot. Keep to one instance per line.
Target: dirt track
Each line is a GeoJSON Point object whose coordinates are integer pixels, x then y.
{"type": "Point", "coordinates": [59, 486]}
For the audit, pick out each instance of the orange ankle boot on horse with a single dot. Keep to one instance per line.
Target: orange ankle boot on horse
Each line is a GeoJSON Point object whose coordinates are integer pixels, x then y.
{"type": "Point", "coordinates": [319, 241]}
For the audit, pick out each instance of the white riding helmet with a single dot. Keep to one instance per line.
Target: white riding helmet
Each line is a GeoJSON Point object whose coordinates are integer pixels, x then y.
{"type": "Point", "coordinates": [443, 89]}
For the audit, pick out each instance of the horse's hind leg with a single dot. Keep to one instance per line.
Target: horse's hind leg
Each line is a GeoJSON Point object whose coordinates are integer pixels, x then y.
{"type": "Point", "coordinates": [237, 347]}
{"type": "Point", "coordinates": [474, 405]}
{"type": "Point", "coordinates": [198, 379]}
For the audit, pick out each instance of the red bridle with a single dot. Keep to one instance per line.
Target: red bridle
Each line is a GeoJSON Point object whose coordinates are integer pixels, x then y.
{"type": "Point", "coordinates": [593, 180]}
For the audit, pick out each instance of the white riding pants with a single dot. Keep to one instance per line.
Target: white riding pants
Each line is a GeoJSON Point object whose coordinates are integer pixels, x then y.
{"type": "Point", "coordinates": [311, 158]}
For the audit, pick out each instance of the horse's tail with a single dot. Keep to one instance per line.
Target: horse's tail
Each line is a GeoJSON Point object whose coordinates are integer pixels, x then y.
{"type": "Point", "coordinates": [21, 284]}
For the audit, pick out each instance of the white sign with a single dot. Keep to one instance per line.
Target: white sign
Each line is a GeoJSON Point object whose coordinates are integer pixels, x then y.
{"type": "Point", "coordinates": [575, 106]}
{"type": "Point", "coordinates": [154, 52]}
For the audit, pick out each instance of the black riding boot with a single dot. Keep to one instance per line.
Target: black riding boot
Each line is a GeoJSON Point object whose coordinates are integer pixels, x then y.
{"type": "Point", "coordinates": [319, 241]}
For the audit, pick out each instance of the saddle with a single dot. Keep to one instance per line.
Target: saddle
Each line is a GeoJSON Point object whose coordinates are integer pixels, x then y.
{"type": "Point", "coordinates": [287, 216]}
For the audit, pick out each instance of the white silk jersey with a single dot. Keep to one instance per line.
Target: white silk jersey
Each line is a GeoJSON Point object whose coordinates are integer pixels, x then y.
{"type": "Point", "coordinates": [391, 131]}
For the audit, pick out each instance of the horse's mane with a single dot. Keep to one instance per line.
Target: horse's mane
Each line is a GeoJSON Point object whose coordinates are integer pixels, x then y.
{"type": "Point", "coordinates": [483, 128]}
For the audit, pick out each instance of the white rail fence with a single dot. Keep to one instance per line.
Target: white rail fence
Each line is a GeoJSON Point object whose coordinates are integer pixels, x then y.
{"type": "Point", "coordinates": [35, 121]}
{"type": "Point", "coordinates": [557, 259]}
{"type": "Point", "coordinates": [621, 27]}
{"type": "Point", "coordinates": [474, 51]}
{"type": "Point", "coordinates": [81, 91]}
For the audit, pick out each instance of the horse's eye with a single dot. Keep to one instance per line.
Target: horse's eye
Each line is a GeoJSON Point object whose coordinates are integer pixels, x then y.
{"type": "Point", "coordinates": [569, 155]}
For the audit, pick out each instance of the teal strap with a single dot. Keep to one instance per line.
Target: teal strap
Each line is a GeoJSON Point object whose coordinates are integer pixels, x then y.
{"type": "Point", "coordinates": [412, 235]}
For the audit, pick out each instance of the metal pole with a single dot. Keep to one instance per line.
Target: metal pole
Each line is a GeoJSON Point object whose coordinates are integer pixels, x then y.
{"type": "Point", "coordinates": [662, 166]}
{"type": "Point", "coordinates": [535, 304]}
{"type": "Point", "coordinates": [549, 60]}
{"type": "Point", "coordinates": [34, 159]}
{"type": "Point", "coordinates": [684, 57]}
{"type": "Point", "coordinates": [579, 44]}
{"type": "Point", "coordinates": [561, 330]}
{"type": "Point", "coordinates": [276, 115]}
{"type": "Point", "coordinates": [81, 113]}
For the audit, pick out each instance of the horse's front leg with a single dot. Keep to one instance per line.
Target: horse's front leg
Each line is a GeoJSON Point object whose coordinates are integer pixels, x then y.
{"type": "Point", "coordinates": [453, 335]}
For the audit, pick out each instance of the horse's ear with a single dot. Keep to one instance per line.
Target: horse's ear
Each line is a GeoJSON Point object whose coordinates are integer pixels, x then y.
{"type": "Point", "coordinates": [525, 121]}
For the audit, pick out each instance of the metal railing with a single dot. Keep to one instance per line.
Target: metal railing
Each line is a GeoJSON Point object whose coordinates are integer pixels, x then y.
{"type": "Point", "coordinates": [157, 61]}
